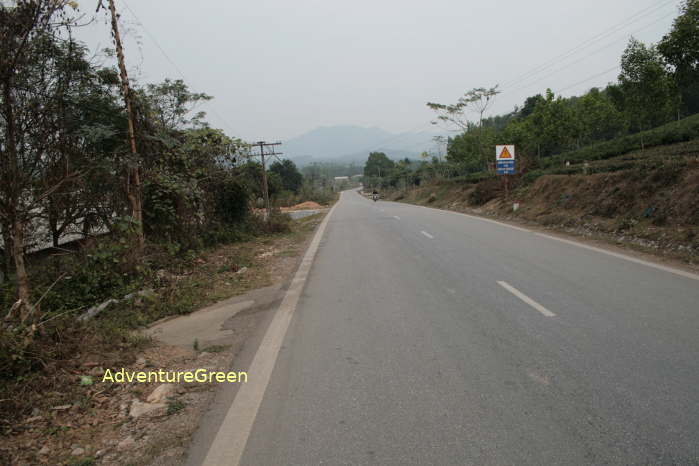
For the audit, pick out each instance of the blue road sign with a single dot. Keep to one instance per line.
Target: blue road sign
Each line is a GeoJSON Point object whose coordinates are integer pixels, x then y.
{"type": "Point", "coordinates": [505, 167]}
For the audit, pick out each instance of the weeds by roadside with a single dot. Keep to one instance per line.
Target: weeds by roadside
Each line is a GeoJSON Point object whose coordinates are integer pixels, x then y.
{"type": "Point", "coordinates": [183, 282]}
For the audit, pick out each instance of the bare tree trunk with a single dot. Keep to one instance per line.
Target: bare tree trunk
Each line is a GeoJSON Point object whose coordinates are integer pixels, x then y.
{"type": "Point", "coordinates": [53, 223]}
{"type": "Point", "coordinates": [6, 265]}
{"type": "Point", "coordinates": [20, 267]}
{"type": "Point", "coordinates": [15, 224]}
{"type": "Point", "coordinates": [133, 183]}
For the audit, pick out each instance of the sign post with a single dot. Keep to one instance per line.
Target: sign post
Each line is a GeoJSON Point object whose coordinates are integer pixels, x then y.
{"type": "Point", "coordinates": [505, 163]}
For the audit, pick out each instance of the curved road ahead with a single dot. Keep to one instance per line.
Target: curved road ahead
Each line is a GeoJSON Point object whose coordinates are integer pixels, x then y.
{"type": "Point", "coordinates": [430, 337]}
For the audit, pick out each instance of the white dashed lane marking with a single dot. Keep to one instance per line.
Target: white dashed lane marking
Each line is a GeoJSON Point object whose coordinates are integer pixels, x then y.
{"type": "Point", "coordinates": [527, 299]}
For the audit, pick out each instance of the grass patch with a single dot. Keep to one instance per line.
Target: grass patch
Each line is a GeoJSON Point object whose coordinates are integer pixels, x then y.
{"type": "Point", "coordinates": [216, 348]}
{"type": "Point", "coordinates": [174, 406]}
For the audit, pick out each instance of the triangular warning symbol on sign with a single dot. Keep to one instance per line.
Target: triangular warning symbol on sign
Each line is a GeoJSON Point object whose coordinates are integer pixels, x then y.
{"type": "Point", "coordinates": [505, 154]}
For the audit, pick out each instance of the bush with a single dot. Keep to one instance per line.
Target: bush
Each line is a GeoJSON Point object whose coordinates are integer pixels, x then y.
{"type": "Point", "coordinates": [484, 192]}
{"type": "Point", "coordinates": [671, 133]}
{"type": "Point", "coordinates": [231, 200]}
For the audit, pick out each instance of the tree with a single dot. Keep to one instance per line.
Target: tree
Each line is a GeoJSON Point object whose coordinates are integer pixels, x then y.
{"type": "Point", "coordinates": [680, 48]}
{"type": "Point", "coordinates": [649, 95]}
{"type": "Point", "coordinates": [529, 105]}
{"type": "Point", "coordinates": [133, 169]}
{"type": "Point", "coordinates": [478, 99]}
{"type": "Point", "coordinates": [31, 86]}
{"type": "Point", "coordinates": [378, 164]}
{"type": "Point", "coordinates": [291, 178]}
{"type": "Point", "coordinates": [597, 117]}
{"type": "Point", "coordinates": [552, 124]}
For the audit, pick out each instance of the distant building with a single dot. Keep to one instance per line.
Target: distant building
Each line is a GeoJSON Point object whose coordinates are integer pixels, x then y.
{"type": "Point", "coordinates": [341, 179]}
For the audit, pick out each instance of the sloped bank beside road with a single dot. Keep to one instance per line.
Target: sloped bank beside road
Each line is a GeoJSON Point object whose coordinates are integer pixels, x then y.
{"type": "Point", "coordinates": [86, 421]}
{"type": "Point", "coordinates": [648, 200]}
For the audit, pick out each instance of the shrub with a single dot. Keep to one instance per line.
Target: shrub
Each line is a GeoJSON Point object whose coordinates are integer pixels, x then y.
{"type": "Point", "coordinates": [675, 132]}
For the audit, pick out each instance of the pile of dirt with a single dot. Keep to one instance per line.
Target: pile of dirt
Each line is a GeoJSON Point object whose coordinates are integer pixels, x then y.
{"type": "Point", "coordinates": [308, 205]}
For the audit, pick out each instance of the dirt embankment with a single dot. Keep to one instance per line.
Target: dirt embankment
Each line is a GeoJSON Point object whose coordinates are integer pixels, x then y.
{"type": "Point", "coordinates": [651, 205]}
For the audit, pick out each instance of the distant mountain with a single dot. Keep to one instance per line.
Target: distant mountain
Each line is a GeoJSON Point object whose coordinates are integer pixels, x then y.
{"type": "Point", "coordinates": [353, 143]}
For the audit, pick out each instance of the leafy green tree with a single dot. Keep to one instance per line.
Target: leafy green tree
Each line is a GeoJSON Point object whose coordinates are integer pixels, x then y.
{"type": "Point", "coordinates": [291, 178]}
{"type": "Point", "coordinates": [378, 165]}
{"type": "Point", "coordinates": [529, 105]}
{"type": "Point", "coordinates": [553, 125]}
{"type": "Point", "coordinates": [649, 95]}
{"type": "Point", "coordinates": [680, 48]}
{"type": "Point", "coordinates": [597, 117]}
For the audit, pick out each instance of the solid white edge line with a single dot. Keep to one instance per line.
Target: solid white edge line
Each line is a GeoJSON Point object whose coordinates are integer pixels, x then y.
{"type": "Point", "coordinates": [396, 217]}
{"type": "Point", "coordinates": [229, 444]}
{"type": "Point", "coordinates": [664, 268]}
{"type": "Point", "coordinates": [527, 299]}
{"type": "Point", "coordinates": [427, 234]}
{"type": "Point", "coordinates": [679, 272]}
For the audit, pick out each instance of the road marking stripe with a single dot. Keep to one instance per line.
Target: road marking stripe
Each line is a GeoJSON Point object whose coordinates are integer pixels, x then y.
{"type": "Point", "coordinates": [396, 217]}
{"type": "Point", "coordinates": [427, 234]}
{"type": "Point", "coordinates": [679, 272]}
{"type": "Point", "coordinates": [229, 444]}
{"type": "Point", "coordinates": [527, 299]}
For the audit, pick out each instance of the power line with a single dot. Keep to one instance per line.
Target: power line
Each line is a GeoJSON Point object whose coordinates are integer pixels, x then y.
{"type": "Point", "coordinates": [539, 79]}
{"type": "Point", "coordinates": [174, 65]}
{"type": "Point", "coordinates": [616, 67]}
{"type": "Point", "coordinates": [589, 42]}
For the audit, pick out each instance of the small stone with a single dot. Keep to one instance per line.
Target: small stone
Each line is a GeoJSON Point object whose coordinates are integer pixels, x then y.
{"type": "Point", "coordinates": [61, 408]}
{"type": "Point", "coordinates": [45, 450]}
{"type": "Point", "coordinates": [100, 453]}
{"type": "Point", "coordinates": [128, 442]}
{"type": "Point", "coordinates": [138, 408]}
{"type": "Point", "coordinates": [141, 361]}
{"type": "Point", "coordinates": [78, 451]}
{"type": "Point", "coordinates": [161, 393]}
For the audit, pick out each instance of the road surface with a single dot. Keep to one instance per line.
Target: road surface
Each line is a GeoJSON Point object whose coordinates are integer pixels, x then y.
{"type": "Point", "coordinates": [430, 337]}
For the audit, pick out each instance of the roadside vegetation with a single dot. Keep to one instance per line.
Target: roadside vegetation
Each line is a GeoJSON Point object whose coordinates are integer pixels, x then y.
{"type": "Point", "coordinates": [620, 160]}
{"type": "Point", "coordinates": [654, 102]}
{"type": "Point", "coordinates": [102, 232]}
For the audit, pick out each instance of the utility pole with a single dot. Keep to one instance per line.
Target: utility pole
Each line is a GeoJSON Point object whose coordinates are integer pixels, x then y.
{"type": "Point", "coordinates": [133, 182]}
{"type": "Point", "coordinates": [265, 188]}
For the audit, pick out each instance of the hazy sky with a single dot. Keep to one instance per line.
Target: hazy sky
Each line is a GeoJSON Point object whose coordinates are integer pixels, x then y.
{"type": "Point", "coordinates": [278, 68]}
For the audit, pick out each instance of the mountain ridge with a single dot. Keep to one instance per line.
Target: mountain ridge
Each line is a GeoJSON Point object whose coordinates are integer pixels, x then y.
{"type": "Point", "coordinates": [352, 143]}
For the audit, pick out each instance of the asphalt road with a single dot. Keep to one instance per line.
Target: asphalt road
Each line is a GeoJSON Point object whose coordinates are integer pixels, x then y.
{"type": "Point", "coordinates": [429, 337]}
